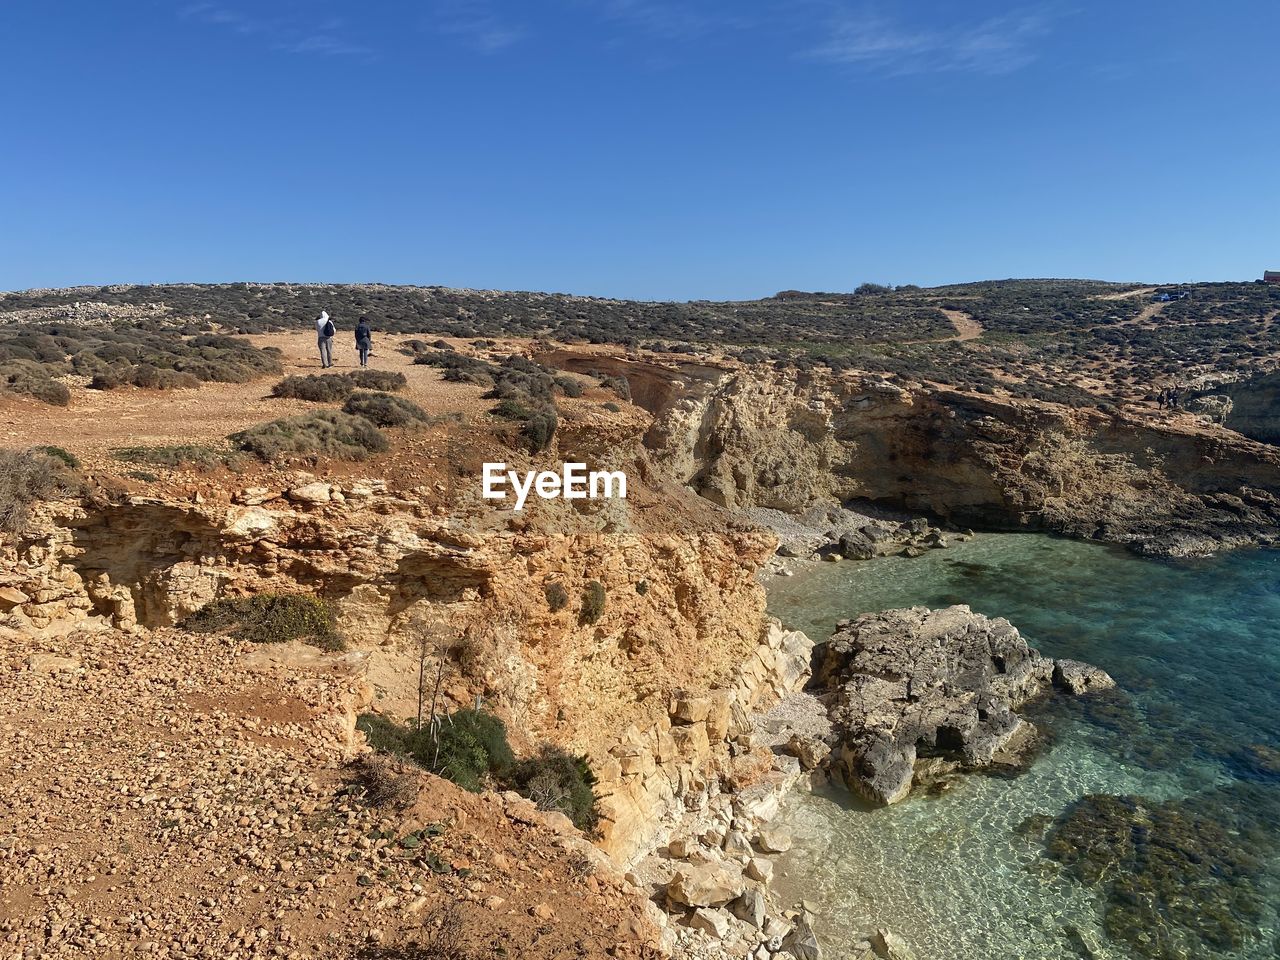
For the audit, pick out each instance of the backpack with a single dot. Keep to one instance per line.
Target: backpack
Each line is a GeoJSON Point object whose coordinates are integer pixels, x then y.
{"type": "Point", "coordinates": [329, 329]}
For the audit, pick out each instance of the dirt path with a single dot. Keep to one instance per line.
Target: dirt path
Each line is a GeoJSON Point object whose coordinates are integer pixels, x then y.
{"type": "Point", "coordinates": [1126, 294]}
{"type": "Point", "coordinates": [967, 328]}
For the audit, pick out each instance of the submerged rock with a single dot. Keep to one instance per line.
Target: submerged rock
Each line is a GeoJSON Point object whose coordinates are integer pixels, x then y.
{"type": "Point", "coordinates": [1179, 878]}
{"type": "Point", "coordinates": [906, 685]}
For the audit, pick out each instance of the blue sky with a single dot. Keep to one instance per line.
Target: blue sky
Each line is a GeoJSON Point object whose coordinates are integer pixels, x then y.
{"type": "Point", "coordinates": [637, 148]}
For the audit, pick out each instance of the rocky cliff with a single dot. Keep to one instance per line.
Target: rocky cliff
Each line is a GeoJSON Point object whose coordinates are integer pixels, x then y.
{"type": "Point", "coordinates": [758, 437]}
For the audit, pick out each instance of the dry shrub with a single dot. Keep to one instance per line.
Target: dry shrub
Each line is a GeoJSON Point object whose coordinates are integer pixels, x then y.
{"type": "Point", "coordinates": [327, 433]}
{"type": "Point", "coordinates": [382, 783]}
{"type": "Point", "coordinates": [26, 477]}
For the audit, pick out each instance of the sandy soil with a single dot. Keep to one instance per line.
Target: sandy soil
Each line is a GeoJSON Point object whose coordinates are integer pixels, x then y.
{"type": "Point", "coordinates": [98, 421]}
{"type": "Point", "coordinates": [177, 796]}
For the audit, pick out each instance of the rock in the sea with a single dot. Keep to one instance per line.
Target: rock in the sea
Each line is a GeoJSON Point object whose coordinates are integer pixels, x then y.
{"type": "Point", "coordinates": [774, 840]}
{"type": "Point", "coordinates": [903, 685]}
{"type": "Point", "coordinates": [1076, 678]}
{"type": "Point", "coordinates": [889, 946]}
{"type": "Point", "coordinates": [705, 885]}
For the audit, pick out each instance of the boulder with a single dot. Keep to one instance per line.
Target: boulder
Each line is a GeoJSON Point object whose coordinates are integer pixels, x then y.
{"type": "Point", "coordinates": [1079, 678]}
{"type": "Point", "coordinates": [314, 494]}
{"type": "Point", "coordinates": [688, 709]}
{"type": "Point", "coordinates": [11, 597]}
{"type": "Point", "coordinates": [759, 870]}
{"type": "Point", "coordinates": [802, 942]}
{"type": "Point", "coordinates": [254, 496]}
{"type": "Point", "coordinates": [715, 923]}
{"type": "Point", "coordinates": [680, 847]}
{"type": "Point", "coordinates": [49, 663]}
{"type": "Point", "coordinates": [737, 845]}
{"type": "Point", "coordinates": [750, 907]}
{"type": "Point", "coordinates": [705, 885]}
{"type": "Point", "coordinates": [944, 684]}
{"type": "Point", "coordinates": [857, 546]}
{"type": "Point", "coordinates": [774, 840]}
{"type": "Point", "coordinates": [810, 751]}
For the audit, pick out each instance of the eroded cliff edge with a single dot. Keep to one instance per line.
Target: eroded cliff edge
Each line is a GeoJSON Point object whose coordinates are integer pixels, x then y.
{"type": "Point", "coordinates": [761, 437]}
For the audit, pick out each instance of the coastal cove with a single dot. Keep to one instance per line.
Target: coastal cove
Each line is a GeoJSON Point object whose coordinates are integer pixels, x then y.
{"type": "Point", "coordinates": [1173, 853]}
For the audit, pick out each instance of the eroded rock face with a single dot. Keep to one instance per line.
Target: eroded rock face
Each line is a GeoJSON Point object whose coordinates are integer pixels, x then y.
{"type": "Point", "coordinates": [756, 438]}
{"type": "Point", "coordinates": [905, 685]}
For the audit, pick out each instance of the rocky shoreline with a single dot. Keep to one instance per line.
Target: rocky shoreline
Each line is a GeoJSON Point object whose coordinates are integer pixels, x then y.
{"type": "Point", "coordinates": [898, 700]}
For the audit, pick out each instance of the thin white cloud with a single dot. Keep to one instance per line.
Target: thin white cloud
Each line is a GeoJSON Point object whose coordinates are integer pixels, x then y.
{"type": "Point", "coordinates": [476, 24]}
{"type": "Point", "coordinates": [997, 45]}
{"type": "Point", "coordinates": [327, 45]}
{"type": "Point", "coordinates": [286, 35]}
{"type": "Point", "coordinates": [671, 21]}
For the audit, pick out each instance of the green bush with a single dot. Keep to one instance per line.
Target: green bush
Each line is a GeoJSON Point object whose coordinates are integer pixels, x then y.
{"type": "Point", "coordinates": [540, 429]}
{"type": "Point", "coordinates": [556, 780]}
{"type": "Point", "coordinates": [182, 455]}
{"type": "Point", "coordinates": [383, 380]}
{"type": "Point", "coordinates": [642, 587]}
{"type": "Point", "coordinates": [43, 389]}
{"type": "Point", "coordinates": [569, 386]}
{"type": "Point", "coordinates": [472, 750]}
{"type": "Point", "coordinates": [385, 410]}
{"type": "Point", "coordinates": [317, 388]}
{"type": "Point", "coordinates": [324, 433]}
{"type": "Point", "coordinates": [270, 618]}
{"type": "Point", "coordinates": [58, 453]}
{"type": "Point", "coordinates": [383, 734]}
{"type": "Point", "coordinates": [332, 387]}
{"type": "Point", "coordinates": [27, 477]}
{"type": "Point", "coordinates": [512, 409]}
{"type": "Point", "coordinates": [557, 597]}
{"type": "Point", "coordinates": [593, 600]}
{"type": "Point", "coordinates": [612, 407]}
{"type": "Point", "coordinates": [154, 378]}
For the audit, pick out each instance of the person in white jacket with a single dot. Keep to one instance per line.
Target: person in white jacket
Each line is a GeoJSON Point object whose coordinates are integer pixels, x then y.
{"type": "Point", "coordinates": [324, 338]}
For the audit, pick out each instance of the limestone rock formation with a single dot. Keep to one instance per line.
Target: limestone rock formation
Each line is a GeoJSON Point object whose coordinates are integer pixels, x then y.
{"type": "Point", "coordinates": [755, 439]}
{"type": "Point", "coordinates": [904, 685]}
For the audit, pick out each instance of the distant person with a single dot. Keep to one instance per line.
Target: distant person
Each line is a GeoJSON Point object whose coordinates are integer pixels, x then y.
{"type": "Point", "coordinates": [364, 340]}
{"type": "Point", "coordinates": [325, 332]}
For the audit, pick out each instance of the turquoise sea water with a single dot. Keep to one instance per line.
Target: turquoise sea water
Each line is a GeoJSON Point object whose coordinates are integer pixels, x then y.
{"type": "Point", "coordinates": [1175, 854]}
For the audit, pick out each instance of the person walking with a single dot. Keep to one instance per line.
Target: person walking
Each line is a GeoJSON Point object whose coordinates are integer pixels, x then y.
{"type": "Point", "coordinates": [364, 340]}
{"type": "Point", "coordinates": [325, 332]}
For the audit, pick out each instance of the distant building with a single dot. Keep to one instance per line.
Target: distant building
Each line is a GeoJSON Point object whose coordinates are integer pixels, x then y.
{"type": "Point", "coordinates": [1271, 276]}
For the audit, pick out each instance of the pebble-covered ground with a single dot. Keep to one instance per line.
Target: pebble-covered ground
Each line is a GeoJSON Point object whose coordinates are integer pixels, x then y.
{"type": "Point", "coordinates": [167, 795]}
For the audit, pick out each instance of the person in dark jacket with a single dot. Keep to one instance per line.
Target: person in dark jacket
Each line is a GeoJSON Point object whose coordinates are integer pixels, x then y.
{"type": "Point", "coordinates": [364, 340]}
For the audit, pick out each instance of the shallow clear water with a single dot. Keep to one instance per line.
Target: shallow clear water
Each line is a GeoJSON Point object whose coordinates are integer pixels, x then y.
{"type": "Point", "coordinates": [1195, 648]}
